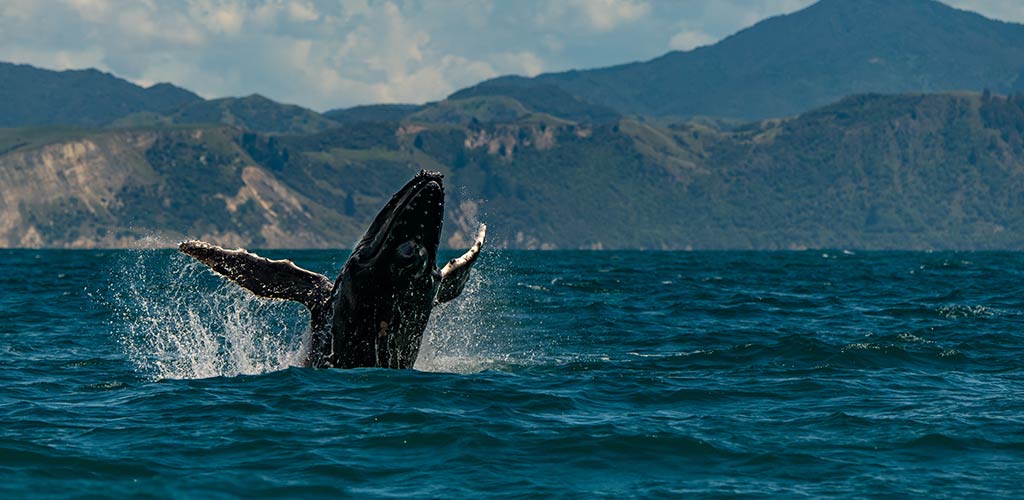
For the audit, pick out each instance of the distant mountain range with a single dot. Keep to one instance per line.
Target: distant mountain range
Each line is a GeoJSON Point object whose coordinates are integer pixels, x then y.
{"type": "Point", "coordinates": [33, 96]}
{"type": "Point", "coordinates": [790, 64]}
{"type": "Point", "coordinates": [660, 154]}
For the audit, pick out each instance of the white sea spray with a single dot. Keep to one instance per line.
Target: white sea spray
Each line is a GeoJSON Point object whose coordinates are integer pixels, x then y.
{"type": "Point", "coordinates": [178, 321]}
{"type": "Point", "coordinates": [463, 335]}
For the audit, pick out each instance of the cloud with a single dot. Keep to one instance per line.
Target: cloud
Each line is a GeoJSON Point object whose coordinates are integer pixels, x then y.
{"type": "Point", "coordinates": [520, 63]}
{"type": "Point", "coordinates": [690, 39]}
{"type": "Point", "coordinates": [593, 15]}
{"type": "Point", "coordinates": [335, 53]}
{"type": "Point", "coordinates": [219, 17]}
{"type": "Point", "coordinates": [302, 11]}
{"type": "Point", "coordinates": [604, 15]}
{"type": "Point", "coordinates": [90, 9]}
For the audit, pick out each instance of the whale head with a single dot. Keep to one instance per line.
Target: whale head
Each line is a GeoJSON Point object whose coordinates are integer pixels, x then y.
{"type": "Point", "coordinates": [383, 296]}
{"type": "Point", "coordinates": [405, 234]}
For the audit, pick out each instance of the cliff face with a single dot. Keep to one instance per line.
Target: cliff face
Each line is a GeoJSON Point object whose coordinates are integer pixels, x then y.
{"type": "Point", "coordinates": [115, 189]}
{"type": "Point", "coordinates": [643, 155]}
{"type": "Point", "coordinates": [911, 171]}
{"type": "Point", "coordinates": [154, 186]}
{"type": "Point", "coordinates": [66, 193]}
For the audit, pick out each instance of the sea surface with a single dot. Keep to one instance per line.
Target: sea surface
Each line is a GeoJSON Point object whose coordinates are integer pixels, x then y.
{"type": "Point", "coordinates": [556, 375]}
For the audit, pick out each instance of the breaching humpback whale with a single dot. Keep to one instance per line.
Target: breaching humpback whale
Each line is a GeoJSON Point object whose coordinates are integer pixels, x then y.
{"type": "Point", "coordinates": [376, 310]}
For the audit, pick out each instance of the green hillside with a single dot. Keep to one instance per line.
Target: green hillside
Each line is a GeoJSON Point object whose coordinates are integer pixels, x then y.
{"type": "Point", "coordinates": [35, 97]}
{"type": "Point", "coordinates": [644, 155]}
{"type": "Point", "coordinates": [253, 112]}
{"type": "Point", "coordinates": [911, 171]}
{"type": "Point", "coordinates": [540, 97]}
{"type": "Point", "coordinates": [372, 113]}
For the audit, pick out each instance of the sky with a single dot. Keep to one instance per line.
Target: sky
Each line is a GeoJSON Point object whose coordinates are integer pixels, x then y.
{"type": "Point", "coordinates": [326, 54]}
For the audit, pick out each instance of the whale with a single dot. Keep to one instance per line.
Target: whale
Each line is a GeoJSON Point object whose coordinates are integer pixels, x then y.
{"type": "Point", "coordinates": [376, 310]}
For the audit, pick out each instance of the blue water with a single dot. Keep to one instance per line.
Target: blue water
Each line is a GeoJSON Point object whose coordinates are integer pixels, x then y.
{"type": "Point", "coordinates": [562, 374]}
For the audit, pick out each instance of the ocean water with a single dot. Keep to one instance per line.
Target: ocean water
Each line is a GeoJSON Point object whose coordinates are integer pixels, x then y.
{"type": "Point", "coordinates": [557, 374]}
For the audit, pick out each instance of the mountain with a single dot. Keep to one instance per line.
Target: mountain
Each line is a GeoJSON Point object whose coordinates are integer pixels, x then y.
{"type": "Point", "coordinates": [253, 112]}
{"type": "Point", "coordinates": [789, 64]}
{"type": "Point", "coordinates": [372, 113]}
{"type": "Point", "coordinates": [781, 66]}
{"type": "Point", "coordinates": [40, 97]}
{"type": "Point", "coordinates": [541, 97]}
{"type": "Point", "coordinates": [34, 96]}
{"type": "Point", "coordinates": [645, 155]}
{"type": "Point", "coordinates": [914, 171]}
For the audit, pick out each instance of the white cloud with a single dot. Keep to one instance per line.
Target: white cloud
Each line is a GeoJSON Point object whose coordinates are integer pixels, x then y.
{"type": "Point", "coordinates": [141, 25]}
{"type": "Point", "coordinates": [520, 63]}
{"type": "Point", "coordinates": [593, 15]}
{"type": "Point", "coordinates": [690, 39]}
{"type": "Point", "coordinates": [302, 11]}
{"type": "Point", "coordinates": [435, 80]}
{"type": "Point", "coordinates": [604, 15]}
{"type": "Point", "coordinates": [53, 59]}
{"type": "Point", "coordinates": [219, 16]}
{"type": "Point", "coordinates": [334, 53]}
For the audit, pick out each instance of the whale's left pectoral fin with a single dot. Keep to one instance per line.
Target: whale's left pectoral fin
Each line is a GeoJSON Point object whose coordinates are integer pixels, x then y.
{"type": "Point", "coordinates": [274, 279]}
{"type": "Point", "coordinates": [456, 272]}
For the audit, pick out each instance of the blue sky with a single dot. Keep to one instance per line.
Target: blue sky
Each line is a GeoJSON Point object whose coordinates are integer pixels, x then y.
{"type": "Point", "coordinates": [327, 54]}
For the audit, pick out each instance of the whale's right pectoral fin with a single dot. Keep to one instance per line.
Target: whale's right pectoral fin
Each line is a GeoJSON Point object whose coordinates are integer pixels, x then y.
{"type": "Point", "coordinates": [274, 279]}
{"type": "Point", "coordinates": [455, 275]}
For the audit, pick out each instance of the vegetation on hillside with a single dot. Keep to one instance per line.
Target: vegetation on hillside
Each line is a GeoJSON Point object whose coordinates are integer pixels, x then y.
{"type": "Point", "coordinates": [871, 171]}
{"type": "Point", "coordinates": [645, 155]}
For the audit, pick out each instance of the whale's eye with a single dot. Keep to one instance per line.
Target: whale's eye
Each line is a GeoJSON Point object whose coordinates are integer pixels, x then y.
{"type": "Point", "coordinates": [408, 251]}
{"type": "Point", "coordinates": [410, 257]}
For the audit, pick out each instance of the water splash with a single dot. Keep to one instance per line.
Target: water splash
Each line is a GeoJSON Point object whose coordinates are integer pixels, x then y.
{"type": "Point", "coordinates": [177, 320]}
{"type": "Point", "coordinates": [464, 335]}
{"type": "Point", "coordinates": [453, 337]}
